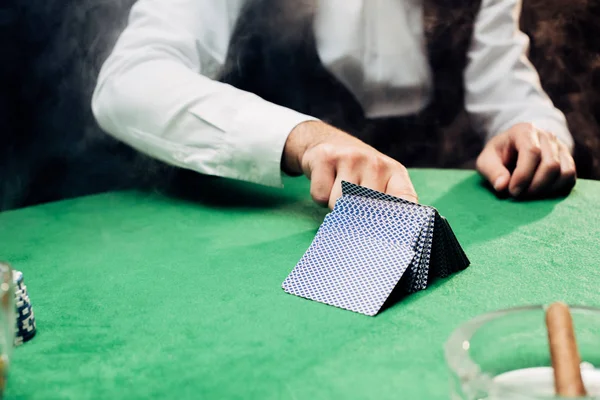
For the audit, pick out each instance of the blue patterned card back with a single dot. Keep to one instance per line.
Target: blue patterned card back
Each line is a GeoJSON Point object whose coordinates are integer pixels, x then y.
{"type": "Point", "coordinates": [350, 271]}
{"type": "Point", "coordinates": [366, 245]}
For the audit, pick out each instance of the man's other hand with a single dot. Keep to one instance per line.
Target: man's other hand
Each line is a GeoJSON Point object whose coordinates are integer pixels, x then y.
{"type": "Point", "coordinates": [527, 162]}
{"type": "Point", "coordinates": [328, 156]}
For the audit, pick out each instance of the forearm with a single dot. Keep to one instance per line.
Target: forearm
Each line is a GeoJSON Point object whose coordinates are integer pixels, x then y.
{"type": "Point", "coordinates": [193, 122]}
{"type": "Point", "coordinates": [154, 93]}
{"type": "Point", "coordinates": [502, 86]}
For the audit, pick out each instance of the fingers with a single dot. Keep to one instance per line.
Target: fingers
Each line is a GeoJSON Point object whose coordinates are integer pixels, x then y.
{"type": "Point", "coordinates": [554, 172]}
{"type": "Point", "coordinates": [568, 173]}
{"type": "Point", "coordinates": [322, 182]}
{"type": "Point", "coordinates": [336, 193]}
{"type": "Point", "coordinates": [375, 173]}
{"type": "Point", "coordinates": [347, 159]}
{"type": "Point", "coordinates": [549, 169]}
{"type": "Point", "coordinates": [527, 144]}
{"type": "Point", "coordinates": [492, 167]}
{"type": "Point", "coordinates": [345, 173]}
{"type": "Point", "coordinates": [399, 185]}
{"type": "Point", "coordinates": [544, 165]}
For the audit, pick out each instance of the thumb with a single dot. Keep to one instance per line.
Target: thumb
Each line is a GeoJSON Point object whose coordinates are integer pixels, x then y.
{"type": "Point", "coordinates": [490, 165]}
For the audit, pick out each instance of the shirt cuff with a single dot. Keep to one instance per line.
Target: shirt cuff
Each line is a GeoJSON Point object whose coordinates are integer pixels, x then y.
{"type": "Point", "coordinates": [557, 128]}
{"type": "Point", "coordinates": [254, 143]}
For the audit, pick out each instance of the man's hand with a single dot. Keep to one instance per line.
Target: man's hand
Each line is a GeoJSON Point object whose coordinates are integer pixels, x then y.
{"type": "Point", "coordinates": [327, 156]}
{"type": "Point", "coordinates": [543, 165]}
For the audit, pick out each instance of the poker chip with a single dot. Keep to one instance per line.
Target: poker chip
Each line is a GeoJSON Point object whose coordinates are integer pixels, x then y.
{"type": "Point", "coordinates": [17, 277]}
{"type": "Point", "coordinates": [25, 327]}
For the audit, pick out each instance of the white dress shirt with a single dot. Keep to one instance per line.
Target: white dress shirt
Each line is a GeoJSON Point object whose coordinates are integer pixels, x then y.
{"type": "Point", "coordinates": [157, 93]}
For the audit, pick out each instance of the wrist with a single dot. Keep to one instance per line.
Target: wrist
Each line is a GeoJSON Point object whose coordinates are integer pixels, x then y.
{"type": "Point", "coordinates": [304, 136]}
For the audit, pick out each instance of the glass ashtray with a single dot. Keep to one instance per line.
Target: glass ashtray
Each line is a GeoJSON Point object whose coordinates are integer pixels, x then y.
{"type": "Point", "coordinates": [505, 355]}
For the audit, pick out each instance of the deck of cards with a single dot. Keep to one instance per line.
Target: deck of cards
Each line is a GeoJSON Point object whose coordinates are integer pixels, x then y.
{"type": "Point", "coordinates": [367, 244]}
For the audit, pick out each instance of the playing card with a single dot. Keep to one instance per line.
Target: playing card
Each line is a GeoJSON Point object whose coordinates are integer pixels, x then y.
{"type": "Point", "coordinates": [356, 190]}
{"type": "Point", "coordinates": [367, 244]}
{"type": "Point", "coordinates": [405, 227]}
{"type": "Point", "coordinates": [439, 256]}
{"type": "Point", "coordinates": [462, 261]}
{"type": "Point", "coordinates": [407, 223]}
{"type": "Point", "coordinates": [350, 271]}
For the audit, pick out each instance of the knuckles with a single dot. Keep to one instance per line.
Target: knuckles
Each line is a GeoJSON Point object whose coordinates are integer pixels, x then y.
{"type": "Point", "coordinates": [570, 173]}
{"type": "Point", "coordinates": [377, 164]}
{"type": "Point", "coordinates": [356, 156]}
{"type": "Point", "coordinates": [551, 165]}
{"type": "Point", "coordinates": [326, 152]}
{"type": "Point", "coordinates": [528, 127]}
{"type": "Point", "coordinates": [533, 149]}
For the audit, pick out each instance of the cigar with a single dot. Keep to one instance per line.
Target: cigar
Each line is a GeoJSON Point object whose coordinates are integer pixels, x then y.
{"type": "Point", "coordinates": [563, 351]}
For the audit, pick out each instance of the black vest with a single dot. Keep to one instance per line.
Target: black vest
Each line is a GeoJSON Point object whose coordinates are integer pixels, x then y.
{"type": "Point", "coordinates": [273, 54]}
{"type": "Point", "coordinates": [51, 147]}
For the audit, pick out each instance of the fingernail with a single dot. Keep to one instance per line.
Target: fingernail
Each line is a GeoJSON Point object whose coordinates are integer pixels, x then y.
{"type": "Point", "coordinates": [500, 183]}
{"type": "Point", "coordinates": [516, 191]}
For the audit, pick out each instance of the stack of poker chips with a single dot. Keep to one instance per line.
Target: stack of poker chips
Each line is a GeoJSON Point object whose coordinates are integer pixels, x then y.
{"type": "Point", "coordinates": [25, 324]}
{"type": "Point", "coordinates": [370, 245]}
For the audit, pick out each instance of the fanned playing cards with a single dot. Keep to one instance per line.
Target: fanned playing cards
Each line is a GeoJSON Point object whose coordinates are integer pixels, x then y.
{"type": "Point", "coordinates": [367, 244]}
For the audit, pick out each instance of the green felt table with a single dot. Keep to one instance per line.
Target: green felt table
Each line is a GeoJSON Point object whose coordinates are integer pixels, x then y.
{"type": "Point", "coordinates": [142, 295]}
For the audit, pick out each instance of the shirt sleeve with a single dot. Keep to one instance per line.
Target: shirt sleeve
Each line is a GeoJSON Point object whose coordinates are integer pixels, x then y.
{"type": "Point", "coordinates": [155, 93]}
{"type": "Point", "coordinates": [502, 86]}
